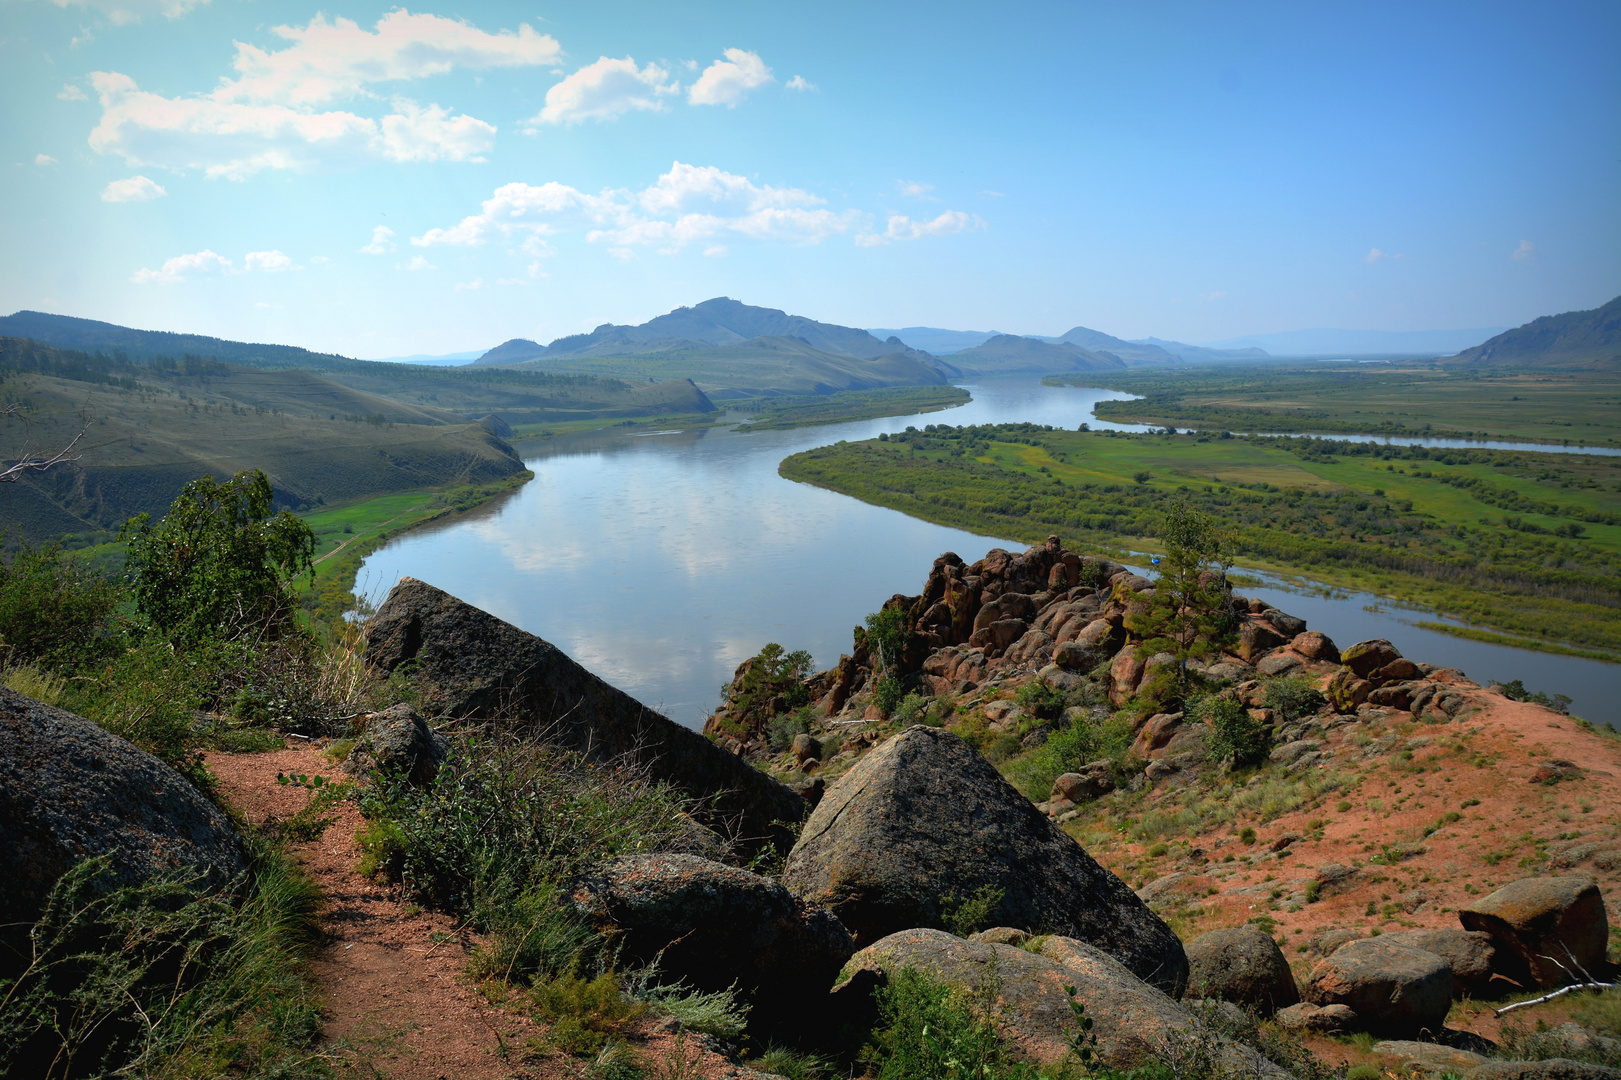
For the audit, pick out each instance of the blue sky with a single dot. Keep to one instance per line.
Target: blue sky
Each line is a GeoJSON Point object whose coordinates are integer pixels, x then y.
{"type": "Point", "coordinates": [381, 181]}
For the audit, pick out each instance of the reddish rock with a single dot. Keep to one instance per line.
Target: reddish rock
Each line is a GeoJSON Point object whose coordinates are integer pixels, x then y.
{"type": "Point", "coordinates": [1366, 657]}
{"type": "Point", "coordinates": [1156, 733]}
{"type": "Point", "coordinates": [1256, 639]}
{"type": "Point", "coordinates": [1124, 674]}
{"type": "Point", "coordinates": [1554, 927]}
{"type": "Point", "coordinates": [1315, 645]}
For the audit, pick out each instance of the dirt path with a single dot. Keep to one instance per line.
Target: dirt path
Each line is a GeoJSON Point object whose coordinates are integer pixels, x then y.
{"type": "Point", "coordinates": [397, 1002]}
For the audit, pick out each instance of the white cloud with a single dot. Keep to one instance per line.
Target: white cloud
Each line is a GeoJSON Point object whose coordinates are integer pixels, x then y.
{"type": "Point", "coordinates": [687, 204]}
{"type": "Point", "coordinates": [268, 307]}
{"type": "Point", "coordinates": [623, 254]}
{"type": "Point", "coordinates": [180, 267]}
{"type": "Point", "coordinates": [717, 251]}
{"type": "Point", "coordinates": [913, 190]}
{"type": "Point", "coordinates": [319, 260]}
{"type": "Point", "coordinates": [381, 243]}
{"type": "Point", "coordinates": [122, 12]}
{"type": "Point", "coordinates": [135, 189]}
{"type": "Point", "coordinates": [417, 263]}
{"type": "Point", "coordinates": [902, 227]}
{"type": "Point", "coordinates": [799, 82]}
{"type": "Point", "coordinates": [1525, 251]}
{"type": "Point", "coordinates": [44, 159]}
{"type": "Point", "coordinates": [69, 92]}
{"type": "Point", "coordinates": [604, 90]}
{"type": "Point", "coordinates": [1375, 255]}
{"type": "Point", "coordinates": [467, 286]}
{"type": "Point", "coordinates": [727, 82]}
{"type": "Point", "coordinates": [267, 261]}
{"type": "Point", "coordinates": [268, 117]}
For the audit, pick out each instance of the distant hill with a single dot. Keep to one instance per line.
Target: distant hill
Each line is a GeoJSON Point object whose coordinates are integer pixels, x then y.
{"type": "Point", "coordinates": [934, 340]}
{"type": "Point", "coordinates": [515, 351]}
{"type": "Point", "coordinates": [68, 332]}
{"type": "Point", "coordinates": [1328, 342]}
{"type": "Point", "coordinates": [1007, 354]}
{"type": "Point", "coordinates": [1131, 352]}
{"type": "Point", "coordinates": [1199, 352]}
{"type": "Point", "coordinates": [721, 321]}
{"type": "Point", "coordinates": [1574, 339]}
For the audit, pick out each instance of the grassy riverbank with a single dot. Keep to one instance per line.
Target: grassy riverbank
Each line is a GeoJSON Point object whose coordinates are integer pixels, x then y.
{"type": "Point", "coordinates": [1518, 544]}
{"type": "Point", "coordinates": [792, 412]}
{"type": "Point", "coordinates": [1407, 399]}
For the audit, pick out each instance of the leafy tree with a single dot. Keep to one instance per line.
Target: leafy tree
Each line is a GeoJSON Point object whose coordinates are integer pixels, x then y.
{"type": "Point", "coordinates": [887, 634]}
{"type": "Point", "coordinates": [56, 610]}
{"type": "Point", "coordinates": [1189, 615]}
{"type": "Point", "coordinates": [1233, 733]}
{"type": "Point", "coordinates": [219, 565]}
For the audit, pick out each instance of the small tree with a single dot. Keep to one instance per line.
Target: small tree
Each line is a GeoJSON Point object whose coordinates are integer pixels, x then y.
{"type": "Point", "coordinates": [218, 565]}
{"type": "Point", "coordinates": [886, 642]}
{"type": "Point", "coordinates": [1189, 616]}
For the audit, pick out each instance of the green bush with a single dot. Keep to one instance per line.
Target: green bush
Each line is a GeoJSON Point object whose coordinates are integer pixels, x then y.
{"type": "Point", "coordinates": [964, 915]}
{"type": "Point", "coordinates": [1040, 700]}
{"type": "Point", "coordinates": [718, 1013]}
{"type": "Point", "coordinates": [1293, 698]}
{"type": "Point", "coordinates": [927, 1028]}
{"type": "Point", "coordinates": [888, 694]}
{"type": "Point", "coordinates": [793, 1065]}
{"type": "Point", "coordinates": [781, 730]}
{"type": "Point", "coordinates": [1233, 733]}
{"type": "Point", "coordinates": [584, 1013]}
{"type": "Point", "coordinates": [57, 611]}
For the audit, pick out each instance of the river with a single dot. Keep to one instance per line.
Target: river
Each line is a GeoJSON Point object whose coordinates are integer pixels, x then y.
{"type": "Point", "coordinates": [662, 560]}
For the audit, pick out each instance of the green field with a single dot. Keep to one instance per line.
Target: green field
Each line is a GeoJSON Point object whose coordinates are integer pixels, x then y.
{"type": "Point", "coordinates": [1409, 398]}
{"type": "Point", "coordinates": [776, 413]}
{"type": "Point", "coordinates": [1526, 545]}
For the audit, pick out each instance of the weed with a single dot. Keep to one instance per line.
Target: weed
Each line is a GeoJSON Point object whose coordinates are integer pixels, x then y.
{"type": "Point", "coordinates": [966, 915]}
{"type": "Point", "coordinates": [793, 1065]}
{"type": "Point", "coordinates": [718, 1013]}
{"type": "Point", "coordinates": [583, 1013]}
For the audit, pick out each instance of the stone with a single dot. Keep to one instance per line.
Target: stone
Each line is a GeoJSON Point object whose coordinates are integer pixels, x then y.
{"type": "Point", "coordinates": [806, 747]}
{"type": "Point", "coordinates": [1156, 734]}
{"type": "Point", "coordinates": [1308, 1017]}
{"type": "Point", "coordinates": [1554, 770]}
{"type": "Point", "coordinates": [1032, 1009]}
{"type": "Point", "coordinates": [1287, 625]}
{"type": "Point", "coordinates": [1346, 692]}
{"type": "Point", "coordinates": [1429, 1056]}
{"type": "Point", "coordinates": [472, 665]}
{"type": "Point", "coordinates": [1325, 943]}
{"type": "Point", "coordinates": [1125, 672]}
{"type": "Point", "coordinates": [1162, 887]}
{"type": "Point", "coordinates": [1395, 695]}
{"type": "Point", "coordinates": [1393, 989]}
{"type": "Point", "coordinates": [712, 925]}
{"type": "Point", "coordinates": [1400, 669]}
{"type": "Point", "coordinates": [1243, 965]}
{"type": "Point", "coordinates": [1290, 751]}
{"type": "Point", "coordinates": [397, 741]}
{"type": "Point", "coordinates": [1278, 663]}
{"type": "Point", "coordinates": [1471, 954]}
{"type": "Point", "coordinates": [1001, 935]}
{"type": "Point", "coordinates": [1551, 1069]}
{"type": "Point", "coordinates": [1551, 929]}
{"type": "Point", "coordinates": [1256, 639]}
{"type": "Point", "coordinates": [69, 791]}
{"type": "Point", "coordinates": [1092, 782]}
{"type": "Point", "coordinates": [925, 816]}
{"type": "Point", "coordinates": [1366, 657]}
{"type": "Point", "coordinates": [1076, 656]}
{"type": "Point", "coordinates": [1315, 645]}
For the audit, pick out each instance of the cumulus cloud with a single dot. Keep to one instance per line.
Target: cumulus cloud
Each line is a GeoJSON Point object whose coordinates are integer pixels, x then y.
{"type": "Point", "coordinates": [271, 117]}
{"type": "Point", "coordinates": [1525, 251]}
{"type": "Point", "coordinates": [902, 227]}
{"type": "Point", "coordinates": [717, 251]}
{"type": "Point", "coordinates": [689, 203]}
{"type": "Point", "coordinates": [799, 82]}
{"type": "Point", "coordinates": [319, 260]}
{"type": "Point", "coordinates": [468, 286]}
{"type": "Point", "coordinates": [267, 261]}
{"type": "Point", "coordinates": [604, 90]}
{"type": "Point", "coordinates": [121, 12]}
{"type": "Point", "coordinates": [727, 82]}
{"type": "Point", "coordinates": [381, 242]}
{"type": "Point", "coordinates": [135, 189]}
{"type": "Point", "coordinates": [1375, 255]}
{"type": "Point", "coordinates": [69, 92]}
{"type": "Point", "coordinates": [913, 190]}
{"type": "Point", "coordinates": [44, 159]}
{"type": "Point", "coordinates": [179, 268]}
{"type": "Point", "coordinates": [417, 263]}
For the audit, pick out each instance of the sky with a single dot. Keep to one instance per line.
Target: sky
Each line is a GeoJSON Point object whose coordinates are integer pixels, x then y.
{"type": "Point", "coordinates": [379, 181]}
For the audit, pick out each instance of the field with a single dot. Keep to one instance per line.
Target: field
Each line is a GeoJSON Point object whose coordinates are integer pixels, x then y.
{"type": "Point", "coordinates": [1524, 545]}
{"type": "Point", "coordinates": [1411, 398]}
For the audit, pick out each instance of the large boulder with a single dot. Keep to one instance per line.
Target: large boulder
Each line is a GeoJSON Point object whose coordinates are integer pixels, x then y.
{"type": "Point", "coordinates": [1240, 964]}
{"type": "Point", "coordinates": [398, 742]}
{"type": "Point", "coordinates": [1471, 954]}
{"type": "Point", "coordinates": [1366, 657]}
{"type": "Point", "coordinates": [70, 791]}
{"type": "Point", "coordinates": [1550, 1069]}
{"type": "Point", "coordinates": [715, 925]}
{"type": "Point", "coordinates": [1554, 929]}
{"type": "Point", "coordinates": [1393, 989]}
{"type": "Point", "coordinates": [1129, 1017]}
{"type": "Point", "coordinates": [472, 665]}
{"type": "Point", "coordinates": [924, 817]}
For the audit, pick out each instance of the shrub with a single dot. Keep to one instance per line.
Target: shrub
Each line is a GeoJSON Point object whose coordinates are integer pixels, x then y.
{"type": "Point", "coordinates": [1233, 733]}
{"type": "Point", "coordinates": [1293, 698]}
{"type": "Point", "coordinates": [780, 730]}
{"type": "Point", "coordinates": [718, 1013]}
{"type": "Point", "coordinates": [928, 1028]}
{"type": "Point", "coordinates": [888, 693]}
{"type": "Point", "coordinates": [1038, 699]}
{"type": "Point", "coordinates": [583, 1013]}
{"type": "Point", "coordinates": [966, 915]}
{"type": "Point", "coordinates": [57, 611]}
{"type": "Point", "coordinates": [793, 1065]}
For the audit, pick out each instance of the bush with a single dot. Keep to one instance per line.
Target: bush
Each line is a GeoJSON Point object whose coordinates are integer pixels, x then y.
{"type": "Point", "coordinates": [584, 1014]}
{"type": "Point", "coordinates": [1233, 733]}
{"type": "Point", "coordinates": [967, 915]}
{"type": "Point", "coordinates": [1293, 698]}
{"type": "Point", "coordinates": [718, 1013]}
{"type": "Point", "coordinates": [1040, 700]}
{"type": "Point", "coordinates": [780, 731]}
{"type": "Point", "coordinates": [57, 611]}
{"type": "Point", "coordinates": [927, 1028]}
{"type": "Point", "coordinates": [888, 694]}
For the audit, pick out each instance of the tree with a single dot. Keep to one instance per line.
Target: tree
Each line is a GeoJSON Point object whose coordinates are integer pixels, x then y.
{"type": "Point", "coordinates": [219, 565]}
{"type": "Point", "coordinates": [887, 635]}
{"type": "Point", "coordinates": [1190, 615]}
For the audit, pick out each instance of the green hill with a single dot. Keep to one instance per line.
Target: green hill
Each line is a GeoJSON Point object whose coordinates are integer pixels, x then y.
{"type": "Point", "coordinates": [1588, 339]}
{"type": "Point", "coordinates": [1008, 354]}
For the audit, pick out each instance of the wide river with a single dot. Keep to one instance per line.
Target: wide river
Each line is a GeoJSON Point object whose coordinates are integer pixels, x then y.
{"type": "Point", "coordinates": [662, 560]}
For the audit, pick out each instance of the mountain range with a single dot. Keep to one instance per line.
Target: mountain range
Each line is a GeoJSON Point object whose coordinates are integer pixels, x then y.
{"type": "Point", "coordinates": [1331, 342]}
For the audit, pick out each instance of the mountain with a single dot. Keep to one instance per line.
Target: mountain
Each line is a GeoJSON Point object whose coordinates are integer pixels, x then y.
{"type": "Point", "coordinates": [1008, 354]}
{"type": "Point", "coordinates": [1129, 351]}
{"type": "Point", "coordinates": [1199, 352]}
{"type": "Point", "coordinates": [1574, 339]}
{"type": "Point", "coordinates": [68, 332]}
{"type": "Point", "coordinates": [721, 321]}
{"type": "Point", "coordinates": [515, 351]}
{"type": "Point", "coordinates": [455, 359]}
{"type": "Point", "coordinates": [934, 340]}
{"type": "Point", "coordinates": [1328, 342]}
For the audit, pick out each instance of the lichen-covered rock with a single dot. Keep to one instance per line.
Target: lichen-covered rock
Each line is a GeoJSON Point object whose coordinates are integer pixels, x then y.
{"type": "Point", "coordinates": [1471, 954]}
{"type": "Point", "coordinates": [1308, 1017]}
{"type": "Point", "coordinates": [70, 791]}
{"type": "Point", "coordinates": [1366, 657]}
{"type": "Point", "coordinates": [398, 742]}
{"type": "Point", "coordinates": [1092, 782]}
{"type": "Point", "coordinates": [1243, 965]}
{"type": "Point", "coordinates": [1551, 1069]}
{"type": "Point", "coordinates": [1129, 1017]}
{"type": "Point", "coordinates": [1393, 989]}
{"type": "Point", "coordinates": [473, 665]}
{"type": "Point", "coordinates": [715, 925]}
{"type": "Point", "coordinates": [923, 817]}
{"type": "Point", "coordinates": [1543, 923]}
{"type": "Point", "coordinates": [1430, 1057]}
{"type": "Point", "coordinates": [1346, 691]}
{"type": "Point", "coordinates": [1256, 639]}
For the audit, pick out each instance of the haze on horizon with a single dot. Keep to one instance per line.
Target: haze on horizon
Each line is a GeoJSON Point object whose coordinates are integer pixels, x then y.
{"type": "Point", "coordinates": [383, 182]}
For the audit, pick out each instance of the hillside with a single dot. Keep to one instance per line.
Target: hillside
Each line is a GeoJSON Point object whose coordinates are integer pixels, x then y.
{"type": "Point", "coordinates": [935, 340]}
{"type": "Point", "coordinates": [1132, 352]}
{"type": "Point", "coordinates": [1007, 354]}
{"type": "Point", "coordinates": [68, 332]}
{"type": "Point", "coordinates": [1587, 339]}
{"type": "Point", "coordinates": [1200, 352]}
{"type": "Point", "coordinates": [721, 321]}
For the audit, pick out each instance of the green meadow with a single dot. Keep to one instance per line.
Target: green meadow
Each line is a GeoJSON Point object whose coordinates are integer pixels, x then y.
{"type": "Point", "coordinates": [848, 405]}
{"type": "Point", "coordinates": [1521, 545]}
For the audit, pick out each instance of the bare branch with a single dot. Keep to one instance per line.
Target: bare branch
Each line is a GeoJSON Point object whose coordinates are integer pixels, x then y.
{"type": "Point", "coordinates": [26, 462]}
{"type": "Point", "coordinates": [1561, 992]}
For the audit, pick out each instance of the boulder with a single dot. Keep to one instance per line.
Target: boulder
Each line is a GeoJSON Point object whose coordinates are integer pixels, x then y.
{"type": "Point", "coordinates": [1551, 1069]}
{"type": "Point", "coordinates": [1092, 782]}
{"type": "Point", "coordinates": [1366, 657]}
{"type": "Point", "coordinates": [1551, 928]}
{"type": "Point", "coordinates": [1256, 639]}
{"type": "Point", "coordinates": [1308, 1017]}
{"type": "Point", "coordinates": [1243, 965]}
{"type": "Point", "coordinates": [1315, 645]}
{"type": "Point", "coordinates": [1278, 663]}
{"type": "Point", "coordinates": [1076, 656]}
{"type": "Point", "coordinates": [806, 747]}
{"type": "Point", "coordinates": [1430, 1057]}
{"type": "Point", "coordinates": [923, 817]}
{"type": "Point", "coordinates": [1345, 691]}
{"type": "Point", "coordinates": [69, 791]}
{"type": "Point", "coordinates": [1393, 989]}
{"type": "Point", "coordinates": [472, 665]}
{"type": "Point", "coordinates": [398, 742]}
{"type": "Point", "coordinates": [1156, 734]}
{"type": "Point", "coordinates": [1288, 625]}
{"type": "Point", "coordinates": [1032, 1009]}
{"type": "Point", "coordinates": [1125, 673]}
{"type": "Point", "coordinates": [1471, 954]}
{"type": "Point", "coordinates": [713, 925]}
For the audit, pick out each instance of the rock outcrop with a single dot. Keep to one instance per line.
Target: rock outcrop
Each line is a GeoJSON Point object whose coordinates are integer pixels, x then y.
{"type": "Point", "coordinates": [1471, 954]}
{"type": "Point", "coordinates": [1553, 928]}
{"type": "Point", "coordinates": [473, 665]}
{"type": "Point", "coordinates": [1393, 989]}
{"type": "Point", "coordinates": [1242, 965]}
{"type": "Point", "coordinates": [924, 817]}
